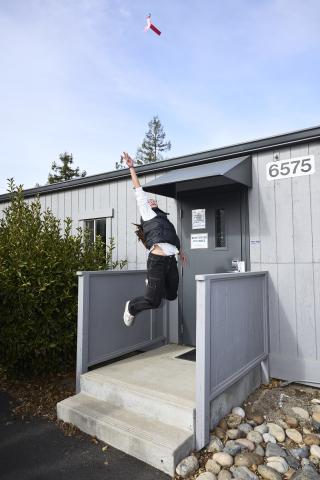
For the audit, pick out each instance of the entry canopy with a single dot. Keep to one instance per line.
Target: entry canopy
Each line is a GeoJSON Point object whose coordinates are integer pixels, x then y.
{"type": "Point", "coordinates": [224, 172]}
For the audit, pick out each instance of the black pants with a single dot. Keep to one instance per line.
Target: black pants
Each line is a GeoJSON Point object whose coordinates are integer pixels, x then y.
{"type": "Point", "coordinates": [163, 281]}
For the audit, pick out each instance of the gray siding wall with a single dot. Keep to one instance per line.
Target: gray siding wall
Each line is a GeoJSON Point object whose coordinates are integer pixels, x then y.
{"type": "Point", "coordinates": [114, 200]}
{"type": "Point", "coordinates": [284, 219]}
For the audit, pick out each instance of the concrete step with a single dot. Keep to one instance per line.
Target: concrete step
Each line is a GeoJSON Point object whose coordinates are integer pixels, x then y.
{"type": "Point", "coordinates": [166, 408]}
{"type": "Point", "coordinates": [150, 440]}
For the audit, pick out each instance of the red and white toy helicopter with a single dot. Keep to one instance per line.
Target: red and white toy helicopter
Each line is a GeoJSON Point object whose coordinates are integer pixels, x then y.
{"type": "Point", "coordinates": [151, 26]}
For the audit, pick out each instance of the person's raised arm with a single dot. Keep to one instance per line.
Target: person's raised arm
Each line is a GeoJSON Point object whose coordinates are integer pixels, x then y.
{"type": "Point", "coordinates": [129, 163]}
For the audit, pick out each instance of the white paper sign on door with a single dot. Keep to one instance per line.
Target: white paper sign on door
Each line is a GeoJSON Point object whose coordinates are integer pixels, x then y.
{"type": "Point", "coordinates": [198, 218]}
{"type": "Point", "coordinates": [199, 240]}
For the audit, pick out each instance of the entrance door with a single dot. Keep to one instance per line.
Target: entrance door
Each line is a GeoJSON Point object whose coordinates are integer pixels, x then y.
{"type": "Point", "coordinates": [212, 235]}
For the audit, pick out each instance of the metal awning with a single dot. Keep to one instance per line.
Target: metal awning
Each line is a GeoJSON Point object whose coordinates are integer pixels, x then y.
{"type": "Point", "coordinates": [225, 172]}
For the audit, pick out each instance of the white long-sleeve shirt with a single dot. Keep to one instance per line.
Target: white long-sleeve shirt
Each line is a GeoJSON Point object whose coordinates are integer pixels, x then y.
{"type": "Point", "coordinates": [147, 213]}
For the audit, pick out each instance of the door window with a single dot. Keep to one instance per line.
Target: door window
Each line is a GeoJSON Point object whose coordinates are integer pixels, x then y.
{"type": "Point", "coordinates": [220, 228]}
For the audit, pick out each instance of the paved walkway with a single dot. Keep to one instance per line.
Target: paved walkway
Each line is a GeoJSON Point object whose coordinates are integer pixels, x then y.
{"type": "Point", "coordinates": [38, 450]}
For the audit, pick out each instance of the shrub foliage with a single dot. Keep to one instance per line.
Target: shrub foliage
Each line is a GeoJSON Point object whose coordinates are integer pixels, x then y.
{"type": "Point", "coordinates": [38, 286]}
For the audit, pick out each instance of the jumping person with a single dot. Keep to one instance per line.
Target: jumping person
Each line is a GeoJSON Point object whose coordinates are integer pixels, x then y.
{"type": "Point", "coordinates": [160, 238]}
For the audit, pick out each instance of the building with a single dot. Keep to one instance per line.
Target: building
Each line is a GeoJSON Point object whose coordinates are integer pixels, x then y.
{"type": "Point", "coordinates": [255, 202]}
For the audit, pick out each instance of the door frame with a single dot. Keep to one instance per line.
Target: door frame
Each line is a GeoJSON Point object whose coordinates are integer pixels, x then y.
{"type": "Point", "coordinates": [245, 236]}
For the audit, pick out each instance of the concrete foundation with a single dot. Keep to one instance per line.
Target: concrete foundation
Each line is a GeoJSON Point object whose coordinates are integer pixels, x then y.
{"type": "Point", "coordinates": [234, 395]}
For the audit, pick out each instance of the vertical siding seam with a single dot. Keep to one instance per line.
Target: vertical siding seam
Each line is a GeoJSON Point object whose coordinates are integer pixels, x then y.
{"type": "Point", "coordinates": [313, 279]}
{"type": "Point", "coordinates": [117, 220]}
{"type": "Point", "coordinates": [127, 221]}
{"type": "Point", "coordinates": [275, 218]}
{"type": "Point", "coordinates": [277, 303]}
{"type": "Point", "coordinates": [294, 264]}
{"type": "Point", "coordinates": [136, 239]}
{"type": "Point", "coordinates": [71, 209]}
{"type": "Point", "coordinates": [258, 178]}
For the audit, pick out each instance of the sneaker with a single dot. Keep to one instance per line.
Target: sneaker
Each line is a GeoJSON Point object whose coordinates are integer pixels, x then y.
{"type": "Point", "coordinates": [127, 317]}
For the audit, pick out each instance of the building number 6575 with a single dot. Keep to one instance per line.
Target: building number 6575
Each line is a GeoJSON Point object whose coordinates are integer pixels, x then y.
{"type": "Point", "coordinates": [290, 168]}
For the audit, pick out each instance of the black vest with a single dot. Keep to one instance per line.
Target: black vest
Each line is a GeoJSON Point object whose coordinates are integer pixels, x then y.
{"type": "Point", "coordinates": [159, 230]}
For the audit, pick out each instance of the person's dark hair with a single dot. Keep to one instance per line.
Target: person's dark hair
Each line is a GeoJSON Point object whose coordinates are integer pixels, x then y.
{"type": "Point", "coordinates": [139, 233]}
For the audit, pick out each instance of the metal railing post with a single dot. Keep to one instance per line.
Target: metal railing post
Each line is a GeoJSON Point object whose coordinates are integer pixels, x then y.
{"type": "Point", "coordinates": [82, 326]}
{"type": "Point", "coordinates": [203, 364]}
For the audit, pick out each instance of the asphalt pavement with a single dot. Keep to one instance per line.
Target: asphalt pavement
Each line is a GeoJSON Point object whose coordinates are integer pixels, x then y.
{"type": "Point", "coordinates": [36, 449]}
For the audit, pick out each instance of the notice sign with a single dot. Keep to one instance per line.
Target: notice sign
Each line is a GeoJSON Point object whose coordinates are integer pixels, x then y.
{"type": "Point", "coordinates": [198, 219]}
{"type": "Point", "coordinates": [199, 240]}
{"type": "Point", "coordinates": [292, 167]}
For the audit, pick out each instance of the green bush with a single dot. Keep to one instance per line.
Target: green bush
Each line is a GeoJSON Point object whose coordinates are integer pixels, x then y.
{"type": "Point", "coordinates": [38, 286]}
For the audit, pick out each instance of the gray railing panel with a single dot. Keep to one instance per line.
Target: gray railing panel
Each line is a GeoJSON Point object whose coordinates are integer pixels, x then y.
{"type": "Point", "coordinates": [236, 322]}
{"type": "Point", "coordinates": [232, 336]}
{"type": "Point", "coordinates": [102, 334]}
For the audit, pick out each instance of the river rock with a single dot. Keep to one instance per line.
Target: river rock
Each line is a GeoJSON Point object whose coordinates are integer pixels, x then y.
{"type": "Point", "coordinates": [274, 450]}
{"type": "Point", "coordinates": [263, 428]}
{"type": "Point", "coordinates": [233, 420]}
{"type": "Point", "coordinates": [311, 439]}
{"type": "Point", "coordinates": [302, 452]}
{"type": "Point", "coordinates": [213, 467]}
{"type": "Point", "coordinates": [215, 445]}
{"type": "Point", "coordinates": [301, 412]}
{"type": "Point", "coordinates": [315, 401]}
{"type": "Point", "coordinates": [245, 428]}
{"type": "Point", "coordinates": [223, 424]}
{"type": "Point", "coordinates": [243, 473]}
{"type": "Point", "coordinates": [259, 451]}
{"type": "Point", "coordinates": [220, 433]}
{"type": "Point", "coordinates": [289, 473]}
{"type": "Point", "coordinates": [232, 448]}
{"type": "Point", "coordinates": [305, 474]}
{"type": "Point", "coordinates": [255, 437]}
{"type": "Point", "coordinates": [316, 408]}
{"type": "Point", "coordinates": [233, 433]}
{"type": "Point", "coordinates": [246, 444]}
{"type": "Point", "coordinates": [316, 420]}
{"type": "Point", "coordinates": [224, 475]}
{"type": "Point", "coordinates": [305, 462]}
{"type": "Point", "coordinates": [239, 411]}
{"type": "Point", "coordinates": [291, 421]}
{"type": "Point", "coordinates": [206, 476]}
{"type": "Point", "coordinates": [277, 432]}
{"type": "Point", "coordinates": [258, 419]}
{"type": "Point", "coordinates": [268, 473]}
{"type": "Point", "coordinates": [282, 424]}
{"type": "Point", "coordinates": [187, 466]}
{"type": "Point", "coordinates": [222, 458]}
{"type": "Point", "coordinates": [314, 460]}
{"type": "Point", "coordinates": [267, 437]}
{"type": "Point", "coordinates": [278, 463]}
{"type": "Point", "coordinates": [294, 435]}
{"type": "Point", "coordinates": [293, 462]}
{"type": "Point", "coordinates": [306, 431]}
{"type": "Point", "coordinates": [315, 451]}
{"type": "Point", "coordinates": [247, 459]}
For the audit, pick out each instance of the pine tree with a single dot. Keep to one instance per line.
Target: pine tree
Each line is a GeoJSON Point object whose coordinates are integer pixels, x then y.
{"type": "Point", "coordinates": [65, 171]}
{"type": "Point", "coordinates": [153, 144]}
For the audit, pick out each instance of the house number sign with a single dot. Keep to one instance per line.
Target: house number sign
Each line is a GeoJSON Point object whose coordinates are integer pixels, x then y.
{"type": "Point", "coordinates": [293, 167]}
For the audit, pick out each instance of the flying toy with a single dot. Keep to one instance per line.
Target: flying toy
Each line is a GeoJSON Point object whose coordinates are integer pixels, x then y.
{"type": "Point", "coordinates": [151, 26]}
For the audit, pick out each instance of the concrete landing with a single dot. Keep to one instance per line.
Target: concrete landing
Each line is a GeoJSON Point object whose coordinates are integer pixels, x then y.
{"type": "Point", "coordinates": [143, 405]}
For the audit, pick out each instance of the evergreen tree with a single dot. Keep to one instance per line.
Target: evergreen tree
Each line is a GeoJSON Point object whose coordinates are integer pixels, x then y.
{"type": "Point", "coordinates": [65, 171]}
{"type": "Point", "coordinates": [152, 146]}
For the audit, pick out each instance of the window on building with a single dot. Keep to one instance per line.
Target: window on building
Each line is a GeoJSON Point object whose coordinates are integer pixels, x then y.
{"type": "Point", "coordinates": [96, 227]}
{"type": "Point", "coordinates": [220, 223]}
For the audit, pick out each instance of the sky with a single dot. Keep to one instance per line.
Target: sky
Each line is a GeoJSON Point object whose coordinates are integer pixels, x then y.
{"type": "Point", "coordinates": [81, 76]}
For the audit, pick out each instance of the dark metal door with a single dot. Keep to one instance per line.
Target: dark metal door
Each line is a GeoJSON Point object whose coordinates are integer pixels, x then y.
{"type": "Point", "coordinates": [211, 236]}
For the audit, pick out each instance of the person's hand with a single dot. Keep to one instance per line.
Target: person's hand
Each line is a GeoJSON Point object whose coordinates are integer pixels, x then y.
{"type": "Point", "coordinates": [183, 258]}
{"type": "Point", "coordinates": [126, 157]}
